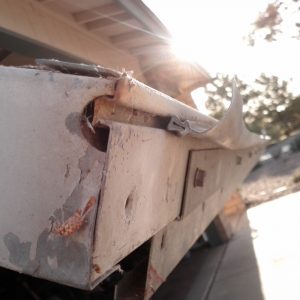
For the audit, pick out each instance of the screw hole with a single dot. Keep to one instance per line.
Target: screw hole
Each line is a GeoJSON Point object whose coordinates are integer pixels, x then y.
{"type": "Point", "coordinates": [199, 177]}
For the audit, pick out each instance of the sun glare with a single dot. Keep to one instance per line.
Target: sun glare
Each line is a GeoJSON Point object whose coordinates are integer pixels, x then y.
{"type": "Point", "coordinates": [211, 33]}
{"type": "Point", "coordinates": [200, 97]}
{"type": "Point", "coordinates": [183, 50]}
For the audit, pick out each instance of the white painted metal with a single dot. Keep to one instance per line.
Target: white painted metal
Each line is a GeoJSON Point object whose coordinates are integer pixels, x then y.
{"type": "Point", "coordinates": [44, 162]}
{"type": "Point", "coordinates": [171, 244]}
{"type": "Point", "coordinates": [67, 138]}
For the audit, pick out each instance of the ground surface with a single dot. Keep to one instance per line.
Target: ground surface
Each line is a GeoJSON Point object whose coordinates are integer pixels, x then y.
{"type": "Point", "coordinates": [273, 179]}
{"type": "Point", "coordinates": [261, 262]}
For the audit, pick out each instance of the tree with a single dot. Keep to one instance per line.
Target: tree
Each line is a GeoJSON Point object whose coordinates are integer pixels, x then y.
{"type": "Point", "coordinates": [277, 17]}
{"type": "Point", "coordinates": [269, 107]}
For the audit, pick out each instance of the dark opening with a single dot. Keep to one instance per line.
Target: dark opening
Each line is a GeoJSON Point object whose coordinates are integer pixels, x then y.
{"type": "Point", "coordinates": [97, 136]}
{"type": "Point", "coordinates": [135, 265]}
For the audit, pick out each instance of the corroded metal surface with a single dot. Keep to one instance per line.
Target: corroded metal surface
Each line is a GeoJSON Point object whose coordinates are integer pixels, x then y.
{"type": "Point", "coordinates": [141, 190]}
{"type": "Point", "coordinates": [200, 206]}
{"type": "Point", "coordinates": [48, 171]}
{"type": "Point", "coordinates": [89, 172]}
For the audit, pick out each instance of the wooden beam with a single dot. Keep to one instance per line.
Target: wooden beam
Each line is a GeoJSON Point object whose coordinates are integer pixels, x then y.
{"type": "Point", "coordinates": [94, 25]}
{"type": "Point", "coordinates": [131, 35]}
{"type": "Point", "coordinates": [98, 12]}
{"type": "Point", "coordinates": [4, 53]}
{"type": "Point", "coordinates": [73, 40]}
{"type": "Point", "coordinates": [45, 1]}
{"type": "Point", "coordinates": [142, 13]}
{"type": "Point", "coordinates": [151, 49]}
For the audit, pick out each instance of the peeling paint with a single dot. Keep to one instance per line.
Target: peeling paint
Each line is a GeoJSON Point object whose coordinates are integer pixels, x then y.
{"type": "Point", "coordinates": [87, 161]}
{"type": "Point", "coordinates": [18, 251]}
{"type": "Point", "coordinates": [55, 175]}
{"type": "Point", "coordinates": [86, 164]}
{"type": "Point", "coordinates": [62, 259]}
{"type": "Point", "coordinates": [52, 262]}
{"type": "Point", "coordinates": [59, 259]}
{"type": "Point", "coordinates": [72, 123]}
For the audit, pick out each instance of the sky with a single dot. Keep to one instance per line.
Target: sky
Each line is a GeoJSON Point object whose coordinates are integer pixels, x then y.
{"type": "Point", "coordinates": [210, 32]}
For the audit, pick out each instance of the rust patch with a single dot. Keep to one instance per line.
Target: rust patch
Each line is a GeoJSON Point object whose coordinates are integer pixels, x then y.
{"type": "Point", "coordinates": [122, 89]}
{"type": "Point", "coordinates": [96, 268]}
{"type": "Point", "coordinates": [154, 281]}
{"type": "Point", "coordinates": [155, 276]}
{"type": "Point", "coordinates": [75, 222]}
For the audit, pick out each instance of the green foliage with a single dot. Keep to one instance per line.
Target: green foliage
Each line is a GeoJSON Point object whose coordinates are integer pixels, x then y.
{"type": "Point", "coordinates": [269, 107]}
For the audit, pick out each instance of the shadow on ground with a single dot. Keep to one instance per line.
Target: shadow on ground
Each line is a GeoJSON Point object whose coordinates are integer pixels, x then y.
{"type": "Point", "coordinates": [284, 165]}
{"type": "Point", "coordinates": [226, 272]}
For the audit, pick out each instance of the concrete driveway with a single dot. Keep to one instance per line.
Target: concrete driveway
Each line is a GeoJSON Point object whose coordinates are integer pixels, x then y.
{"type": "Point", "coordinates": [261, 262]}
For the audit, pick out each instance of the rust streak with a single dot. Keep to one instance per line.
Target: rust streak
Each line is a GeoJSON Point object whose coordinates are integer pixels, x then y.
{"type": "Point", "coordinates": [155, 280]}
{"type": "Point", "coordinates": [154, 275]}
